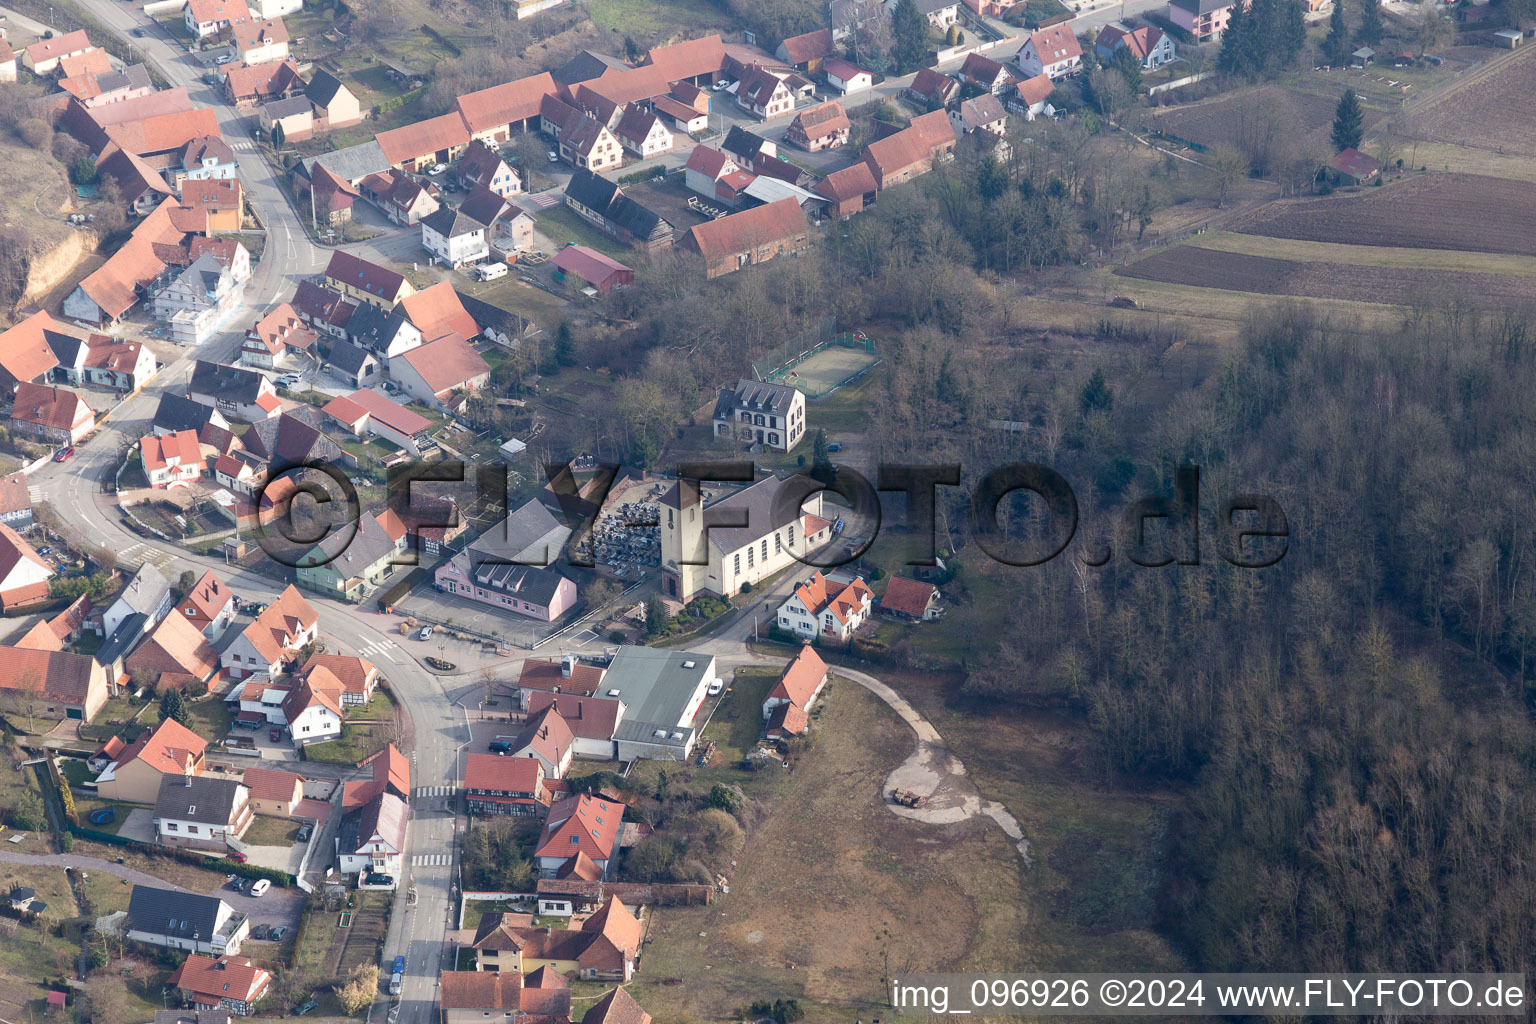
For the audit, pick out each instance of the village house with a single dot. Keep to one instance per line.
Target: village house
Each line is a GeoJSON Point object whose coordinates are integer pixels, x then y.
{"type": "Point", "coordinates": [441, 373]}
{"type": "Point", "coordinates": [509, 226]}
{"type": "Point", "coordinates": [826, 609]}
{"type": "Point", "coordinates": [146, 598]}
{"type": "Point", "coordinates": [421, 145]}
{"type": "Point", "coordinates": [29, 350]}
{"type": "Point", "coordinates": [983, 113]}
{"type": "Point", "coordinates": [133, 775]}
{"type": "Point", "coordinates": [763, 94]}
{"type": "Point", "coordinates": [758, 412]}
{"type": "Point", "coordinates": [323, 309]}
{"type": "Point", "coordinates": [510, 566]}
{"type": "Point", "coordinates": [821, 127]}
{"type": "Point", "coordinates": [504, 785]}
{"type": "Point", "coordinates": [171, 460]}
{"type": "Point", "coordinates": [454, 238]}
{"type": "Point", "coordinates": [195, 303]}
{"type": "Point", "coordinates": [42, 57]}
{"type": "Point", "coordinates": [604, 948]}
{"type": "Point", "coordinates": [7, 62]}
{"type": "Point", "coordinates": [125, 366]}
{"type": "Point", "coordinates": [588, 143]}
{"type": "Point", "coordinates": [371, 838]}
{"type": "Point", "coordinates": [984, 73]}
{"type": "Point", "coordinates": [201, 812]}
{"type": "Point", "coordinates": [98, 87]}
{"type": "Point", "coordinates": [941, 14]}
{"type": "Point", "coordinates": [289, 120]}
{"type": "Point", "coordinates": [847, 78]}
{"type": "Point", "coordinates": [184, 920]}
{"type": "Point", "coordinates": [931, 89]}
{"type": "Point", "coordinates": [786, 709]}
{"type": "Point", "coordinates": [51, 414]}
{"type": "Point", "coordinates": [603, 204]}
{"type": "Point", "coordinates": [312, 710]}
{"type": "Point", "coordinates": [1052, 51]}
{"type": "Point", "coordinates": [232, 983]}
{"type": "Point", "coordinates": [15, 501]}
{"type": "Point", "coordinates": [579, 825]}
{"type": "Point", "coordinates": [175, 654]}
{"type": "Point", "coordinates": [848, 191]}
{"type": "Point", "coordinates": [210, 17]}
{"type": "Point", "coordinates": [24, 575]}
{"type": "Point", "coordinates": [1151, 46]}
{"type": "Point", "coordinates": [467, 997]}
{"type": "Point", "coordinates": [386, 333]}
{"type": "Point", "coordinates": [751, 236]}
{"type": "Point", "coordinates": [546, 739]}
{"type": "Point", "coordinates": [276, 637]}
{"type": "Point", "coordinates": [402, 198]}
{"type": "Point", "coordinates": [246, 87]}
{"type": "Point", "coordinates": [687, 106]}
{"type": "Point", "coordinates": [1352, 167]}
{"type": "Point", "coordinates": [365, 282]}
{"type": "Point", "coordinates": [910, 600]}
{"type": "Point", "coordinates": [481, 166]}
{"type": "Point", "coordinates": [714, 175]}
{"type": "Point", "coordinates": [912, 151]}
{"type": "Point", "coordinates": [1206, 20]}
{"type": "Point", "coordinates": [641, 132]}
{"type": "Point", "coordinates": [55, 685]}
{"type": "Point", "coordinates": [1031, 97]}
{"type": "Point", "coordinates": [350, 564]}
{"type": "Point", "coordinates": [367, 412]}
{"type": "Point", "coordinates": [274, 793]}
{"type": "Point", "coordinates": [357, 677]}
{"type": "Point", "coordinates": [274, 339]}
{"type": "Point", "coordinates": [333, 104]}
{"type": "Point", "coordinates": [438, 313]}
{"type": "Point", "coordinates": [260, 41]}
{"type": "Point", "coordinates": [209, 605]}
{"type": "Point", "coordinates": [720, 560]}
{"type": "Point", "coordinates": [236, 392]}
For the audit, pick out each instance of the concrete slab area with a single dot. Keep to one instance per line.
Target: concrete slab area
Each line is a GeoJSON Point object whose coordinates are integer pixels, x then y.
{"type": "Point", "coordinates": [140, 825]}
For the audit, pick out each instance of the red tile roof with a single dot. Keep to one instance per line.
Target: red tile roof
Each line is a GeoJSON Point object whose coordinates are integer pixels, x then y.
{"type": "Point", "coordinates": [745, 231]}
{"type": "Point", "coordinates": [710, 161]}
{"type": "Point", "coordinates": [355, 272]}
{"type": "Point", "coordinates": [590, 718]}
{"type": "Point", "coordinates": [15, 549]}
{"type": "Point", "coordinates": [271, 784]}
{"type": "Point", "coordinates": [800, 679]}
{"type": "Point", "coordinates": [582, 824]}
{"type": "Point", "coordinates": [503, 774]}
{"type": "Point", "coordinates": [91, 62]}
{"type": "Point", "coordinates": [423, 138]}
{"type": "Point", "coordinates": [257, 81]}
{"type": "Point", "coordinates": [446, 364]}
{"type": "Point", "coordinates": [924, 137]}
{"type": "Point", "coordinates": [506, 103]}
{"type": "Point", "coordinates": [285, 618]}
{"type": "Point", "coordinates": [251, 34]}
{"type": "Point", "coordinates": [588, 264]}
{"type": "Point", "coordinates": [908, 597]}
{"type": "Point", "coordinates": [50, 407]}
{"type": "Point", "coordinates": [228, 977]}
{"type": "Point", "coordinates": [168, 749]}
{"type": "Point", "coordinates": [819, 121]}
{"type": "Point", "coordinates": [355, 674]}
{"type": "Point", "coordinates": [388, 412]}
{"type": "Point", "coordinates": [615, 923]}
{"type": "Point", "coordinates": [175, 646]}
{"type": "Point", "coordinates": [847, 183]}
{"type": "Point", "coordinates": [1056, 43]}
{"type": "Point", "coordinates": [283, 328]}
{"type": "Point", "coordinates": [617, 1007]}
{"type": "Point", "coordinates": [164, 132]}
{"type": "Point", "coordinates": [437, 313]}
{"type": "Point", "coordinates": [802, 49]}
{"type": "Point", "coordinates": [929, 82]}
{"type": "Point", "coordinates": [24, 353]}
{"type": "Point", "coordinates": [689, 59]}
{"type": "Point", "coordinates": [48, 49]}
{"type": "Point", "coordinates": [1036, 90]}
{"type": "Point", "coordinates": [205, 11]}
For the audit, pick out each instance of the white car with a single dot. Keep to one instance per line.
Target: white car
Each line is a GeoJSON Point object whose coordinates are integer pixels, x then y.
{"type": "Point", "coordinates": [554, 157]}
{"type": "Point", "coordinates": [425, 634]}
{"type": "Point", "coordinates": [225, 59]}
{"type": "Point", "coordinates": [260, 888]}
{"type": "Point", "coordinates": [721, 85]}
{"type": "Point", "coordinates": [716, 686]}
{"type": "Point", "coordinates": [438, 169]}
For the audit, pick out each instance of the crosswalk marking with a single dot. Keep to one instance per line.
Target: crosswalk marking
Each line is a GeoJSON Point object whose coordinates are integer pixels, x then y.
{"type": "Point", "coordinates": [244, 145]}
{"type": "Point", "coordinates": [35, 493]}
{"type": "Point", "coordinates": [377, 647]}
{"type": "Point", "coordinates": [423, 792]}
{"type": "Point", "coordinates": [430, 859]}
{"type": "Point", "coordinates": [542, 199]}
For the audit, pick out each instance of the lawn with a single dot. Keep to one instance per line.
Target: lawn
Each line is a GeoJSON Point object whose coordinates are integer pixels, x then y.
{"type": "Point", "coordinates": [85, 804]}
{"type": "Point", "coordinates": [637, 17]}
{"type": "Point", "coordinates": [32, 953]}
{"type": "Point", "coordinates": [266, 831]}
{"type": "Point", "coordinates": [563, 228]}
{"type": "Point", "coordinates": [76, 771]}
{"type": "Point", "coordinates": [210, 718]}
{"type": "Point", "coordinates": [831, 887]}
{"type": "Point", "coordinates": [380, 708]}
{"type": "Point", "coordinates": [168, 869]}
{"type": "Point", "coordinates": [357, 741]}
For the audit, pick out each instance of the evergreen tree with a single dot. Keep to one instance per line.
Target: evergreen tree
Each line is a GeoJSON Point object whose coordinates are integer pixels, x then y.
{"type": "Point", "coordinates": [910, 30]}
{"type": "Point", "coordinates": [821, 462]}
{"type": "Point", "coordinates": [174, 706]}
{"type": "Point", "coordinates": [1370, 31]}
{"type": "Point", "coordinates": [1129, 67]}
{"type": "Point", "coordinates": [1347, 121]}
{"type": "Point", "coordinates": [1292, 32]}
{"type": "Point", "coordinates": [1237, 44]}
{"type": "Point", "coordinates": [991, 178]}
{"type": "Point", "coordinates": [1336, 46]}
{"type": "Point", "coordinates": [1097, 393]}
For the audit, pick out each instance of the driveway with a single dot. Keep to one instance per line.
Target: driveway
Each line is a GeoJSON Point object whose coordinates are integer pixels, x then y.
{"type": "Point", "coordinates": [140, 825]}
{"type": "Point", "coordinates": [282, 858]}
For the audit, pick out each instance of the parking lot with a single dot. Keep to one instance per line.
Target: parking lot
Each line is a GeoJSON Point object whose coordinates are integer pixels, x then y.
{"type": "Point", "coordinates": [440, 607]}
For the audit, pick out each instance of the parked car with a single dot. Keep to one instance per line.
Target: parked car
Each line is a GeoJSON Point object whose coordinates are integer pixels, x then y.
{"type": "Point", "coordinates": [277, 933]}
{"type": "Point", "coordinates": [501, 747]}
{"type": "Point", "coordinates": [260, 888]}
{"type": "Point", "coordinates": [236, 882]}
{"type": "Point", "coordinates": [835, 446]}
{"type": "Point", "coordinates": [716, 687]}
{"type": "Point", "coordinates": [554, 157]}
{"type": "Point", "coordinates": [225, 59]}
{"type": "Point", "coordinates": [275, 734]}
{"type": "Point", "coordinates": [303, 1008]}
{"type": "Point", "coordinates": [64, 454]}
{"type": "Point", "coordinates": [399, 965]}
{"type": "Point", "coordinates": [261, 931]}
{"type": "Point", "coordinates": [396, 983]}
{"type": "Point", "coordinates": [237, 856]}
{"type": "Point", "coordinates": [721, 85]}
{"type": "Point", "coordinates": [138, 33]}
{"type": "Point", "coordinates": [379, 879]}
{"type": "Point", "coordinates": [425, 634]}
{"type": "Point", "coordinates": [305, 833]}
{"type": "Point", "coordinates": [438, 169]}
{"type": "Point", "coordinates": [45, 550]}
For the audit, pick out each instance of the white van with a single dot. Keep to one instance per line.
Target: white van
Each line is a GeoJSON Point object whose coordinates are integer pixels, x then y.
{"type": "Point", "coordinates": [396, 983]}
{"type": "Point", "coordinates": [261, 887]}
{"type": "Point", "coordinates": [491, 271]}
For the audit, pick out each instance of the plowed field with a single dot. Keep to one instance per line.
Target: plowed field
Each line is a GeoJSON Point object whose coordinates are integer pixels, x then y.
{"type": "Point", "coordinates": [1220, 121]}
{"type": "Point", "coordinates": [1493, 114]}
{"type": "Point", "coordinates": [1433, 211]}
{"type": "Point", "coordinates": [1210, 268]}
